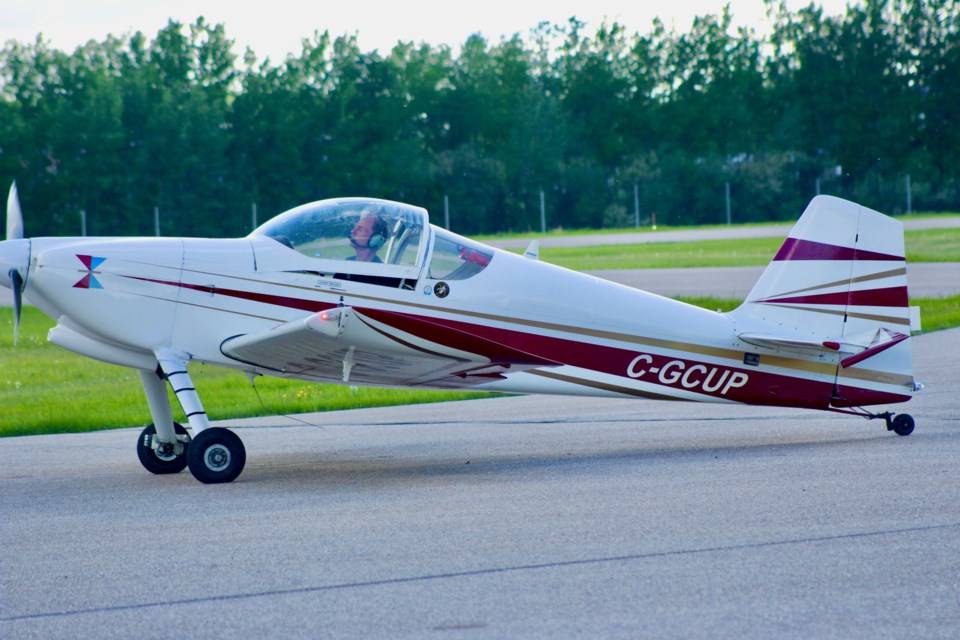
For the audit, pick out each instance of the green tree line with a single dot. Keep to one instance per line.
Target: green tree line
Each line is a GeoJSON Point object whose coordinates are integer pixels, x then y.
{"type": "Point", "coordinates": [599, 121]}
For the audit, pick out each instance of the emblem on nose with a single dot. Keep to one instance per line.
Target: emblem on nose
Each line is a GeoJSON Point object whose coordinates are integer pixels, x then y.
{"type": "Point", "coordinates": [89, 281]}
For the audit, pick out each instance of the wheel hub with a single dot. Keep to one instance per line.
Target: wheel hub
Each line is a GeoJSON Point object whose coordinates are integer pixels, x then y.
{"type": "Point", "coordinates": [165, 452]}
{"type": "Point", "coordinates": [217, 457]}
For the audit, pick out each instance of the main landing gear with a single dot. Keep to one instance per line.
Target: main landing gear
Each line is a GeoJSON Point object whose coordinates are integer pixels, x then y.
{"type": "Point", "coordinates": [214, 454]}
{"type": "Point", "coordinates": [163, 457]}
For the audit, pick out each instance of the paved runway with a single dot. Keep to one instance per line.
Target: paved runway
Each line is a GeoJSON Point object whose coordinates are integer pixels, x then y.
{"type": "Point", "coordinates": [511, 517]}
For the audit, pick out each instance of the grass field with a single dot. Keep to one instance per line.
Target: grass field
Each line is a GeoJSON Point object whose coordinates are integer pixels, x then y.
{"type": "Point", "coordinates": [44, 389]}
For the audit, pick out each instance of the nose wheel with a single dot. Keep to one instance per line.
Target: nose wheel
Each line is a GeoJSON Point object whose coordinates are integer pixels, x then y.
{"type": "Point", "coordinates": [216, 455]}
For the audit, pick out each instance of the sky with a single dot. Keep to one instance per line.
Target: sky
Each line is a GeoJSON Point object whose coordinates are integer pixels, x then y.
{"type": "Point", "coordinates": [275, 28]}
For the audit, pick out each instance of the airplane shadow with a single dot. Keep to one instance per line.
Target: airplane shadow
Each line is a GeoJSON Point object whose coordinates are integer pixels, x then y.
{"type": "Point", "coordinates": [409, 465]}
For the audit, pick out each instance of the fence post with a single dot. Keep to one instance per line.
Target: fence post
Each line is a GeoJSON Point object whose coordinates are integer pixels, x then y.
{"type": "Point", "coordinates": [727, 191]}
{"type": "Point", "coordinates": [909, 204]}
{"type": "Point", "coordinates": [543, 214]}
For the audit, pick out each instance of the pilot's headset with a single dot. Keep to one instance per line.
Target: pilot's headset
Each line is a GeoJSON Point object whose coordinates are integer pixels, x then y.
{"type": "Point", "coordinates": [380, 231]}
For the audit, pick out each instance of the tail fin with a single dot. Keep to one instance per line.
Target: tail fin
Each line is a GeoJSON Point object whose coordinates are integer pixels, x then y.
{"type": "Point", "coordinates": [839, 281]}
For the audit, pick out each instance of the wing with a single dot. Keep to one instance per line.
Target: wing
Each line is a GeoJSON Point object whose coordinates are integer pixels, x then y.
{"type": "Point", "coordinates": [381, 348]}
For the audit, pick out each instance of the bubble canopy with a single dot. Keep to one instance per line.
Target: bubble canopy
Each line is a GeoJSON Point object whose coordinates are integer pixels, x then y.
{"type": "Point", "coordinates": [359, 229]}
{"type": "Point", "coordinates": [389, 238]}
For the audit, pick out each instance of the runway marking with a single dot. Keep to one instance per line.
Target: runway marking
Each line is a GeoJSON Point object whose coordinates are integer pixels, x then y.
{"type": "Point", "coordinates": [474, 573]}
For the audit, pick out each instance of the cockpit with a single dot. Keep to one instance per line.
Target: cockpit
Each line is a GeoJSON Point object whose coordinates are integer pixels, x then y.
{"type": "Point", "coordinates": [363, 230]}
{"type": "Point", "coordinates": [389, 238]}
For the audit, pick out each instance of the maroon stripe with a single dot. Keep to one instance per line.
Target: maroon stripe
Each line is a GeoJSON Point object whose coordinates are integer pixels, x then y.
{"type": "Point", "coordinates": [889, 297]}
{"type": "Point", "coordinates": [858, 397]}
{"type": "Point", "coordinates": [434, 331]}
{"type": "Point", "coordinates": [762, 388]}
{"type": "Point", "coordinates": [797, 249]}
{"type": "Point", "coordinates": [872, 351]}
{"type": "Point", "coordinates": [281, 301]}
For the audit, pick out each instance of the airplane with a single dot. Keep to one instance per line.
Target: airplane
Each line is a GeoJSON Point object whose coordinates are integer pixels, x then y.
{"type": "Point", "coordinates": [365, 291]}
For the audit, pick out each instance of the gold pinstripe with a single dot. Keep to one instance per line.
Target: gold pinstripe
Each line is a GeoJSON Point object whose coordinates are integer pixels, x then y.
{"type": "Point", "coordinates": [874, 276]}
{"type": "Point", "coordinates": [603, 386]}
{"type": "Point", "coordinates": [851, 314]}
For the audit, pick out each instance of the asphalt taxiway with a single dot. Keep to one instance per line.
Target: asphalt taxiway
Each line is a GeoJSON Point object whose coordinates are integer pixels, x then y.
{"type": "Point", "coordinates": [504, 517]}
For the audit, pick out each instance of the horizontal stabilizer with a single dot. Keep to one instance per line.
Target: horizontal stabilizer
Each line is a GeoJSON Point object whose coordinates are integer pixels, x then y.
{"type": "Point", "coordinates": [781, 342]}
{"type": "Point", "coordinates": [855, 348]}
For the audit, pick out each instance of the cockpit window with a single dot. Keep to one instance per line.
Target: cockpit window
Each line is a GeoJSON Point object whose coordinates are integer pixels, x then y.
{"type": "Point", "coordinates": [361, 230]}
{"type": "Point", "coordinates": [456, 258]}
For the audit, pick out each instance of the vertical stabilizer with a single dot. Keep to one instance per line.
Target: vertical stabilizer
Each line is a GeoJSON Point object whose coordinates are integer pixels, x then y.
{"type": "Point", "coordinates": [840, 277]}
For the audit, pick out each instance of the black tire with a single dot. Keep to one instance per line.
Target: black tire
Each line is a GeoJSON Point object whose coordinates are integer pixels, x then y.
{"type": "Point", "coordinates": [216, 455]}
{"type": "Point", "coordinates": [903, 424]}
{"type": "Point", "coordinates": [152, 461]}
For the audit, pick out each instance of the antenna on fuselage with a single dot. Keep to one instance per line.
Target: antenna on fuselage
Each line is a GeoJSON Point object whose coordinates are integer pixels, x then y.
{"type": "Point", "coordinates": [533, 250]}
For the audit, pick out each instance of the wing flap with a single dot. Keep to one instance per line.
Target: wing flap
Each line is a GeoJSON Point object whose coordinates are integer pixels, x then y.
{"type": "Point", "coordinates": [381, 348]}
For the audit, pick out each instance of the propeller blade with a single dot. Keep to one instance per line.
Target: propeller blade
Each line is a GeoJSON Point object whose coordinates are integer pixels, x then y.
{"type": "Point", "coordinates": [17, 284]}
{"type": "Point", "coordinates": [14, 215]}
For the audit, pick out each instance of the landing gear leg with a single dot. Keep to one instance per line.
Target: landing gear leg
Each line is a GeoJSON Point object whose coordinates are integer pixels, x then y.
{"type": "Point", "coordinates": [162, 446]}
{"type": "Point", "coordinates": [215, 454]}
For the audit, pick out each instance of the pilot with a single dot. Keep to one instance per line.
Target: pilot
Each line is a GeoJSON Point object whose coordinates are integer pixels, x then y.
{"type": "Point", "coordinates": [366, 238]}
